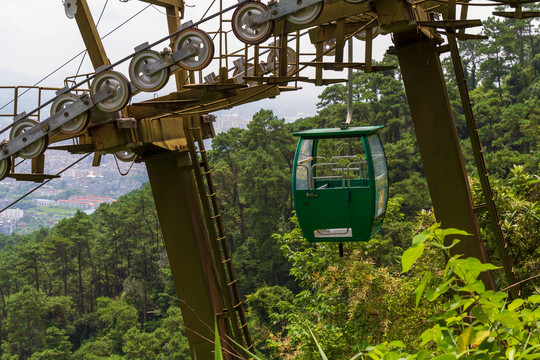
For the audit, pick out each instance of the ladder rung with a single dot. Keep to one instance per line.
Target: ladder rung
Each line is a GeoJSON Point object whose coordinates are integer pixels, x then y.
{"type": "Point", "coordinates": [216, 216]}
{"type": "Point", "coordinates": [232, 283]}
{"type": "Point", "coordinates": [479, 208]}
{"type": "Point", "coordinates": [210, 195]}
{"type": "Point", "coordinates": [237, 305]}
{"type": "Point", "coordinates": [226, 261]}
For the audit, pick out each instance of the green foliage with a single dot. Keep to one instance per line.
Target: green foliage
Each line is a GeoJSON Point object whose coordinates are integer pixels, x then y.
{"type": "Point", "coordinates": [336, 301]}
{"type": "Point", "coordinates": [474, 322]}
{"type": "Point", "coordinates": [252, 170]}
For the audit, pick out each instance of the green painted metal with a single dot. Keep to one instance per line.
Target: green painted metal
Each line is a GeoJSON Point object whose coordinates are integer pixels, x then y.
{"type": "Point", "coordinates": [338, 132]}
{"type": "Point", "coordinates": [341, 199]}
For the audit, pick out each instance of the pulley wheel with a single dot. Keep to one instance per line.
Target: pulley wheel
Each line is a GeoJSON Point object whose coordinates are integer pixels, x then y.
{"type": "Point", "coordinates": [5, 167]}
{"type": "Point", "coordinates": [74, 125]}
{"type": "Point", "coordinates": [138, 72]}
{"type": "Point", "coordinates": [372, 32]}
{"type": "Point", "coordinates": [244, 31]}
{"type": "Point", "coordinates": [273, 58]}
{"type": "Point", "coordinates": [305, 15]}
{"type": "Point", "coordinates": [121, 90]}
{"type": "Point", "coordinates": [34, 149]}
{"type": "Point", "coordinates": [125, 155]}
{"type": "Point", "coordinates": [205, 49]}
{"type": "Point", "coordinates": [330, 46]}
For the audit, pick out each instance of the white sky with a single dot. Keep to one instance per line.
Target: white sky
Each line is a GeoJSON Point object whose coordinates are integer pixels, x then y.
{"type": "Point", "coordinates": [36, 37]}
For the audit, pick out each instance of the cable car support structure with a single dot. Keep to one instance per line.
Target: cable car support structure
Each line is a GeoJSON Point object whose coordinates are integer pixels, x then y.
{"type": "Point", "coordinates": [167, 132]}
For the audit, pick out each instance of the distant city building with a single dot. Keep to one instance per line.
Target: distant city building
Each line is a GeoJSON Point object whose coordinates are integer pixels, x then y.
{"type": "Point", "coordinates": [85, 202]}
{"type": "Point", "coordinates": [14, 214]}
{"type": "Point", "coordinates": [44, 202]}
{"type": "Point", "coordinates": [7, 227]}
{"type": "Point", "coordinates": [82, 205]}
{"type": "Point", "coordinates": [95, 199]}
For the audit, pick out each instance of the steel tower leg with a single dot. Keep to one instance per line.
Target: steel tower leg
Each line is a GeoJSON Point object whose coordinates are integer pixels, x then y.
{"type": "Point", "coordinates": [439, 146]}
{"type": "Point", "coordinates": [188, 248]}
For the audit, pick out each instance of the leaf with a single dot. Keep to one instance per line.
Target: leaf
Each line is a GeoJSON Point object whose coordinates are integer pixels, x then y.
{"type": "Point", "coordinates": [217, 345]}
{"type": "Point", "coordinates": [479, 337]}
{"type": "Point", "coordinates": [420, 290]}
{"type": "Point", "coordinates": [441, 289]}
{"type": "Point", "coordinates": [453, 231]}
{"type": "Point", "coordinates": [421, 238]}
{"type": "Point", "coordinates": [427, 336]}
{"type": "Point", "coordinates": [253, 356]}
{"type": "Point", "coordinates": [524, 354]}
{"type": "Point", "coordinates": [515, 304]}
{"type": "Point", "coordinates": [468, 269]}
{"type": "Point", "coordinates": [445, 357]}
{"type": "Point", "coordinates": [397, 343]}
{"type": "Point", "coordinates": [464, 340]}
{"type": "Point", "coordinates": [323, 355]}
{"type": "Point", "coordinates": [534, 299]}
{"type": "Point", "coordinates": [508, 318]}
{"type": "Point", "coordinates": [511, 353]}
{"type": "Point", "coordinates": [456, 241]}
{"type": "Point", "coordinates": [423, 354]}
{"type": "Point", "coordinates": [410, 256]}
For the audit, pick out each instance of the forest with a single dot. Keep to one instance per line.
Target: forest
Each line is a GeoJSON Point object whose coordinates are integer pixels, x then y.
{"type": "Point", "coordinates": [99, 286]}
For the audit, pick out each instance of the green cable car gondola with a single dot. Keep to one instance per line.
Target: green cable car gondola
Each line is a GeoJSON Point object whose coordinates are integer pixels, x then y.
{"type": "Point", "coordinates": [340, 183]}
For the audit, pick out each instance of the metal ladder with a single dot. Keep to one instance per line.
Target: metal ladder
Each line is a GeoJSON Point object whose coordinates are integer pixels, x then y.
{"type": "Point", "coordinates": [489, 199]}
{"type": "Point", "coordinates": [222, 257]}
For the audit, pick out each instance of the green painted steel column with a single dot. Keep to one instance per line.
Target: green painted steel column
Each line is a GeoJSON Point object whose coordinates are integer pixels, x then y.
{"type": "Point", "coordinates": [187, 243]}
{"type": "Point", "coordinates": [438, 142]}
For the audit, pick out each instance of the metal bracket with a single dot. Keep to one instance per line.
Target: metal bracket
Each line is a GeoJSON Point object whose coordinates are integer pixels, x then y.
{"type": "Point", "coordinates": [63, 90]}
{"type": "Point", "coordinates": [211, 78]}
{"type": "Point", "coordinates": [206, 118]}
{"type": "Point", "coordinates": [126, 123]}
{"type": "Point", "coordinates": [280, 9]}
{"type": "Point", "coordinates": [20, 116]}
{"type": "Point", "coordinates": [185, 25]}
{"type": "Point", "coordinates": [142, 46]}
{"type": "Point", "coordinates": [102, 68]}
{"type": "Point", "coordinates": [250, 72]}
{"type": "Point", "coordinates": [166, 60]}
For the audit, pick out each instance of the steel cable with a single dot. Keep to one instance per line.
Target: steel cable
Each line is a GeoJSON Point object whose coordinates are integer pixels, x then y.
{"type": "Point", "coordinates": [45, 182]}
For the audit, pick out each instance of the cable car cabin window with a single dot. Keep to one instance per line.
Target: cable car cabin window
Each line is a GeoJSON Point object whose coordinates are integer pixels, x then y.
{"type": "Point", "coordinates": [339, 163]}
{"type": "Point", "coordinates": [340, 184]}
{"type": "Point", "coordinates": [381, 175]}
{"type": "Point", "coordinates": [304, 163]}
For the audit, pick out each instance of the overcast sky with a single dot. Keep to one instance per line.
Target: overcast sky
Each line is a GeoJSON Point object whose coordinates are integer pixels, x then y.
{"type": "Point", "coordinates": [37, 37]}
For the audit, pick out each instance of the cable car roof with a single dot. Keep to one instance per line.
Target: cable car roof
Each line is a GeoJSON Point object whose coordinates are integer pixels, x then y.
{"type": "Point", "coordinates": [338, 132]}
